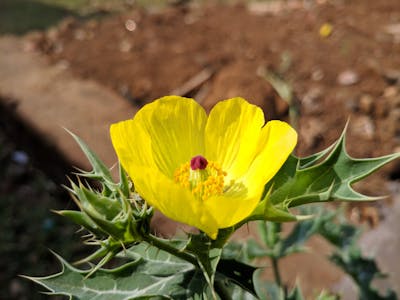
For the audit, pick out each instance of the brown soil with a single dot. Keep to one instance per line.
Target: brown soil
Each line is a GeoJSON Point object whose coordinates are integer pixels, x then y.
{"type": "Point", "coordinates": [225, 48]}
{"type": "Point", "coordinates": [217, 52]}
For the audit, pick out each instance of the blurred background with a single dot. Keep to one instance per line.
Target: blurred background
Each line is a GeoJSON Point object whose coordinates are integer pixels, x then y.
{"type": "Point", "coordinates": [84, 64]}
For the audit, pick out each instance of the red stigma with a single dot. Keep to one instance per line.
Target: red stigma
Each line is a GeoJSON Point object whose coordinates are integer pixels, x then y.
{"type": "Point", "coordinates": [198, 162]}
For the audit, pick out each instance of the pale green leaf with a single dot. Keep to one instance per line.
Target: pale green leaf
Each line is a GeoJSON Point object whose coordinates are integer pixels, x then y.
{"type": "Point", "coordinates": [308, 180]}
{"type": "Point", "coordinates": [158, 274]}
{"type": "Point", "coordinates": [100, 170]}
{"type": "Point", "coordinates": [295, 294]}
{"type": "Point", "coordinates": [267, 290]}
{"type": "Point", "coordinates": [208, 254]}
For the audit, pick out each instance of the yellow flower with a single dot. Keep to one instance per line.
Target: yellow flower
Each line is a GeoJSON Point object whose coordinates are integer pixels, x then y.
{"type": "Point", "coordinates": [208, 172]}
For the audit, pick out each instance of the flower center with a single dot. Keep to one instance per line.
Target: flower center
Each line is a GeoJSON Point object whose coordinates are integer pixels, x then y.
{"type": "Point", "coordinates": [198, 162]}
{"type": "Point", "coordinates": [204, 178]}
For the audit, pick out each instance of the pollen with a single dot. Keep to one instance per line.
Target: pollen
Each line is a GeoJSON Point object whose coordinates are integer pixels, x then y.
{"type": "Point", "coordinates": [203, 182]}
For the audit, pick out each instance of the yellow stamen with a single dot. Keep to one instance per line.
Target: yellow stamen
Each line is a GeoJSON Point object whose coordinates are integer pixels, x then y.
{"type": "Point", "coordinates": [203, 183]}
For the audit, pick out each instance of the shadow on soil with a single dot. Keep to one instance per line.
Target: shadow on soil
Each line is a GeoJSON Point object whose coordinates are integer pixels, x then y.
{"type": "Point", "coordinates": [31, 175]}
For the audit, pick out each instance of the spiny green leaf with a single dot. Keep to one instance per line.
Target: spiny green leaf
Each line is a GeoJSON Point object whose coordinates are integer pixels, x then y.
{"type": "Point", "coordinates": [265, 210]}
{"type": "Point", "coordinates": [208, 255]}
{"type": "Point", "coordinates": [301, 232]}
{"type": "Point", "coordinates": [100, 171]}
{"type": "Point", "coordinates": [238, 293]}
{"type": "Point", "coordinates": [237, 251]}
{"type": "Point", "coordinates": [341, 235]}
{"type": "Point", "coordinates": [326, 296]}
{"type": "Point", "coordinates": [238, 273]}
{"type": "Point", "coordinates": [311, 160]}
{"type": "Point", "coordinates": [363, 271]}
{"type": "Point", "coordinates": [105, 206]}
{"type": "Point", "coordinates": [308, 180]}
{"type": "Point", "coordinates": [277, 246]}
{"type": "Point", "coordinates": [157, 275]}
{"type": "Point", "coordinates": [124, 182]}
{"type": "Point", "coordinates": [83, 220]}
{"type": "Point", "coordinates": [267, 290]}
{"type": "Point", "coordinates": [270, 233]}
{"type": "Point", "coordinates": [295, 294]}
{"type": "Point", "coordinates": [349, 258]}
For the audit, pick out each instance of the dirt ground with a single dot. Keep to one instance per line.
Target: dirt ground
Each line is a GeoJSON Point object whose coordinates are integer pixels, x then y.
{"type": "Point", "coordinates": [216, 52]}
{"type": "Point", "coordinates": [349, 72]}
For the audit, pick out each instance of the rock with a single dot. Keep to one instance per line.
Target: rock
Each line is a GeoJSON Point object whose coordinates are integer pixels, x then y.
{"type": "Point", "coordinates": [366, 103]}
{"type": "Point", "coordinates": [52, 34]}
{"type": "Point", "coordinates": [394, 116]}
{"type": "Point", "coordinates": [396, 101]}
{"type": "Point", "coordinates": [392, 76]}
{"type": "Point", "coordinates": [92, 24]}
{"type": "Point", "coordinates": [125, 46]}
{"type": "Point", "coordinates": [20, 157]}
{"type": "Point", "coordinates": [363, 126]}
{"type": "Point", "coordinates": [375, 243]}
{"type": "Point", "coordinates": [348, 77]}
{"type": "Point", "coordinates": [317, 74]}
{"type": "Point", "coordinates": [80, 35]}
{"type": "Point", "coordinates": [67, 24]}
{"type": "Point", "coordinates": [351, 104]}
{"type": "Point", "coordinates": [390, 92]}
{"type": "Point", "coordinates": [381, 109]}
{"type": "Point", "coordinates": [311, 132]}
{"type": "Point", "coordinates": [394, 30]}
{"type": "Point", "coordinates": [130, 25]}
{"type": "Point", "coordinates": [240, 79]}
{"type": "Point", "coordinates": [309, 102]}
{"type": "Point", "coordinates": [263, 8]}
{"type": "Point", "coordinates": [35, 41]}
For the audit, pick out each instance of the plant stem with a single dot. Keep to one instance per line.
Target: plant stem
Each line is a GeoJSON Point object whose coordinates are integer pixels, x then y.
{"type": "Point", "coordinates": [221, 290]}
{"type": "Point", "coordinates": [160, 244]}
{"type": "Point", "coordinates": [275, 269]}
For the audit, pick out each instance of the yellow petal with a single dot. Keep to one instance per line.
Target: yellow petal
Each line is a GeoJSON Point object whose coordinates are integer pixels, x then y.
{"type": "Point", "coordinates": [173, 201]}
{"type": "Point", "coordinates": [276, 142]}
{"type": "Point", "coordinates": [132, 145]}
{"type": "Point", "coordinates": [232, 132]}
{"type": "Point", "coordinates": [164, 134]}
{"type": "Point", "coordinates": [231, 208]}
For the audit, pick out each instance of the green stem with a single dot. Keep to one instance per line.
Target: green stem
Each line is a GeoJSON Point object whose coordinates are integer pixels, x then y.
{"type": "Point", "coordinates": [154, 241]}
{"type": "Point", "coordinates": [221, 290]}
{"type": "Point", "coordinates": [275, 269]}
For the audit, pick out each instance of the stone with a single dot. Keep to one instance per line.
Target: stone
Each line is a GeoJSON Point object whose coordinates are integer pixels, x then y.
{"type": "Point", "coordinates": [363, 126]}
{"type": "Point", "coordinates": [381, 109]}
{"type": "Point", "coordinates": [309, 102]}
{"type": "Point", "coordinates": [311, 132]}
{"type": "Point", "coordinates": [348, 77]}
{"type": "Point", "coordinates": [366, 104]}
{"type": "Point", "coordinates": [317, 75]}
{"type": "Point", "coordinates": [390, 92]}
{"type": "Point", "coordinates": [392, 76]}
{"type": "Point", "coordinates": [125, 46]}
{"type": "Point", "coordinates": [243, 81]}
